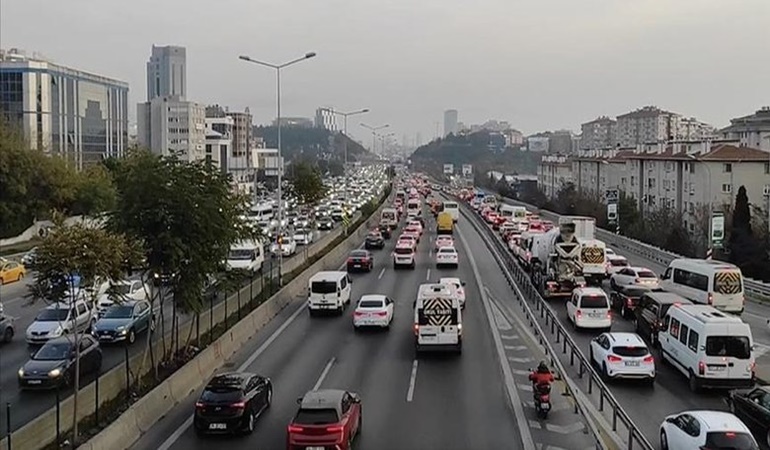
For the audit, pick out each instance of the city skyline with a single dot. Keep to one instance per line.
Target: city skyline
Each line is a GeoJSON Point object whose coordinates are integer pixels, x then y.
{"type": "Point", "coordinates": [533, 96]}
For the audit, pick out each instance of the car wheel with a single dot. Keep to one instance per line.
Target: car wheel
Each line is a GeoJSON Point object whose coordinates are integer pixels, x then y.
{"type": "Point", "coordinates": [663, 440]}
{"type": "Point", "coordinates": [8, 335]}
{"type": "Point", "coordinates": [693, 382]}
{"type": "Point", "coordinates": [623, 311]}
{"type": "Point", "coordinates": [131, 336]}
{"type": "Point", "coordinates": [21, 275]}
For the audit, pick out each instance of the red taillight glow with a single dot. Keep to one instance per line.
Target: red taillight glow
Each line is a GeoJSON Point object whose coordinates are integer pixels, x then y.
{"type": "Point", "coordinates": [358, 314]}
{"type": "Point", "coordinates": [199, 405]}
{"type": "Point", "coordinates": [350, 260]}
{"type": "Point", "coordinates": [579, 313]}
{"type": "Point", "coordinates": [629, 302]}
{"type": "Point", "coordinates": [239, 405]}
{"type": "Point", "coordinates": [335, 429]}
{"type": "Point", "coordinates": [609, 314]}
{"type": "Point", "coordinates": [649, 359]}
{"type": "Point", "coordinates": [701, 368]}
{"type": "Point", "coordinates": [614, 359]}
{"type": "Point", "coordinates": [381, 313]}
{"type": "Point", "coordinates": [295, 429]}
{"type": "Point", "coordinates": [416, 329]}
{"type": "Point", "coordinates": [711, 298]}
{"type": "Point", "coordinates": [730, 434]}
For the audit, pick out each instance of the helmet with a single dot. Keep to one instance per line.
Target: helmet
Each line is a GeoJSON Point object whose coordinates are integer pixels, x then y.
{"type": "Point", "coordinates": [543, 367]}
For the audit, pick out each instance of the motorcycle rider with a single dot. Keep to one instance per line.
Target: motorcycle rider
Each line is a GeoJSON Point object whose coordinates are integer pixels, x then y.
{"type": "Point", "coordinates": [541, 376]}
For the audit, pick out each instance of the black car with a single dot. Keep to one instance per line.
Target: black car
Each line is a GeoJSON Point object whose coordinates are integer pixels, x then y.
{"type": "Point", "coordinates": [54, 363]}
{"type": "Point", "coordinates": [374, 240]}
{"type": "Point", "coordinates": [360, 260]}
{"type": "Point", "coordinates": [752, 406]}
{"type": "Point", "coordinates": [624, 299]}
{"type": "Point", "coordinates": [651, 310]}
{"type": "Point", "coordinates": [385, 231]}
{"type": "Point", "coordinates": [231, 403]}
{"type": "Point", "coordinates": [325, 223]}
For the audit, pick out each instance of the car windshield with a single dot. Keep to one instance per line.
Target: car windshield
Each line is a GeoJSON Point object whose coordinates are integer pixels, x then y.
{"type": "Point", "coordinates": [323, 287]}
{"type": "Point", "coordinates": [370, 304]}
{"type": "Point", "coordinates": [630, 351]}
{"type": "Point", "coordinates": [593, 301]}
{"type": "Point", "coordinates": [316, 417]}
{"type": "Point", "coordinates": [730, 441]}
{"type": "Point", "coordinates": [53, 351]}
{"type": "Point", "coordinates": [240, 254]}
{"type": "Point", "coordinates": [52, 315]}
{"type": "Point", "coordinates": [221, 395]}
{"type": "Point", "coordinates": [733, 346]}
{"type": "Point", "coordinates": [645, 274]}
{"type": "Point", "coordinates": [119, 312]}
{"type": "Point", "coordinates": [403, 251]}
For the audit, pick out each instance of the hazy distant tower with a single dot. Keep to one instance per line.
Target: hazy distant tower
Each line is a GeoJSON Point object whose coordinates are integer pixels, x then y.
{"type": "Point", "coordinates": [167, 72]}
{"type": "Point", "coordinates": [450, 122]}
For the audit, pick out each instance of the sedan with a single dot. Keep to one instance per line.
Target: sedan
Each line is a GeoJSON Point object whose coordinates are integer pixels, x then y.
{"type": "Point", "coordinates": [360, 260]}
{"type": "Point", "coordinates": [407, 238]}
{"type": "Point", "coordinates": [124, 321]}
{"type": "Point", "coordinates": [416, 225]}
{"type": "Point", "coordinates": [444, 241]}
{"type": "Point", "coordinates": [11, 271]}
{"type": "Point", "coordinates": [303, 237]}
{"type": "Point", "coordinates": [231, 403]}
{"type": "Point", "coordinates": [615, 263]}
{"type": "Point", "coordinates": [326, 418]}
{"type": "Point", "coordinates": [325, 223]}
{"type": "Point", "coordinates": [457, 286]}
{"type": "Point", "coordinates": [447, 256]}
{"type": "Point", "coordinates": [53, 365]}
{"type": "Point", "coordinates": [288, 247]}
{"type": "Point", "coordinates": [705, 430]}
{"type": "Point", "coordinates": [374, 240]}
{"type": "Point", "coordinates": [752, 406]}
{"type": "Point", "coordinates": [622, 355]}
{"type": "Point", "coordinates": [638, 276]}
{"type": "Point", "coordinates": [373, 310]}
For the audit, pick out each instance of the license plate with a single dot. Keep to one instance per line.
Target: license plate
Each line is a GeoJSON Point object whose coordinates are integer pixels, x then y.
{"type": "Point", "coordinates": [545, 405]}
{"type": "Point", "coordinates": [35, 382]}
{"type": "Point", "coordinates": [632, 363]}
{"type": "Point", "coordinates": [217, 426]}
{"type": "Point", "coordinates": [595, 315]}
{"type": "Point", "coordinates": [717, 368]}
{"type": "Point", "coordinates": [314, 448]}
{"type": "Point", "coordinates": [356, 265]}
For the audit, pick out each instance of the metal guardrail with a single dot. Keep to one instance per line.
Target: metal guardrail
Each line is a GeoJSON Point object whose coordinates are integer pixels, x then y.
{"type": "Point", "coordinates": [752, 288]}
{"type": "Point", "coordinates": [521, 284]}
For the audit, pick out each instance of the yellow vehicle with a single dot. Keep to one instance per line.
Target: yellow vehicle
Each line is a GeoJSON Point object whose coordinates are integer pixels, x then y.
{"type": "Point", "coordinates": [11, 271]}
{"type": "Point", "coordinates": [444, 223]}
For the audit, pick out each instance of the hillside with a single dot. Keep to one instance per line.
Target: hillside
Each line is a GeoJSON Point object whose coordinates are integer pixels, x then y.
{"type": "Point", "coordinates": [312, 143]}
{"type": "Point", "coordinates": [480, 149]}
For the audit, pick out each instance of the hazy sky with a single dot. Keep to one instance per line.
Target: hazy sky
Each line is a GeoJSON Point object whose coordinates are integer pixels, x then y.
{"type": "Point", "coordinates": [540, 64]}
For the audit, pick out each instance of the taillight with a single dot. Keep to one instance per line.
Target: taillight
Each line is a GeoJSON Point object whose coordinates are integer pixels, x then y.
{"type": "Point", "coordinates": [416, 329]}
{"type": "Point", "coordinates": [350, 260]}
{"type": "Point", "coordinates": [200, 405]}
{"type": "Point", "coordinates": [629, 302]}
{"type": "Point", "coordinates": [238, 405]}
{"type": "Point", "coordinates": [358, 313]}
{"type": "Point", "coordinates": [335, 429]}
{"type": "Point", "coordinates": [649, 359]}
{"type": "Point", "coordinates": [381, 313]}
{"type": "Point", "coordinates": [609, 314]}
{"type": "Point", "coordinates": [711, 298]}
{"type": "Point", "coordinates": [614, 359]}
{"type": "Point", "coordinates": [701, 368]}
{"type": "Point", "coordinates": [579, 313]}
{"type": "Point", "coordinates": [295, 429]}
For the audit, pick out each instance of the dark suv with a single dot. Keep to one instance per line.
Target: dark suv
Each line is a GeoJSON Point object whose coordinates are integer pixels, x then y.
{"type": "Point", "coordinates": [231, 403]}
{"type": "Point", "coordinates": [651, 310]}
{"type": "Point", "coordinates": [625, 298]}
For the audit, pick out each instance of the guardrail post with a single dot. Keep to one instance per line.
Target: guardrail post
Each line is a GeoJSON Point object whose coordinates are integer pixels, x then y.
{"type": "Point", "coordinates": [581, 370]}
{"type": "Point", "coordinates": [8, 422]}
{"type": "Point", "coordinates": [572, 357]}
{"type": "Point", "coordinates": [251, 292]}
{"type": "Point", "coordinates": [601, 402]}
{"type": "Point", "coordinates": [211, 318]}
{"type": "Point", "coordinates": [226, 326]}
{"type": "Point", "coordinates": [630, 438]}
{"type": "Point", "coordinates": [58, 417]}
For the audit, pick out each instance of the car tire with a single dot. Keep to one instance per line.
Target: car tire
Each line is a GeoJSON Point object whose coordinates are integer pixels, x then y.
{"type": "Point", "coordinates": [623, 311]}
{"type": "Point", "coordinates": [693, 384]}
{"type": "Point", "coordinates": [21, 275]}
{"type": "Point", "coordinates": [131, 336]}
{"type": "Point", "coordinates": [8, 334]}
{"type": "Point", "coordinates": [663, 440]}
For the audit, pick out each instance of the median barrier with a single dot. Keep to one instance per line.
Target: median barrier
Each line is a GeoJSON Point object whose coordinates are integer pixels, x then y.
{"type": "Point", "coordinates": [198, 370]}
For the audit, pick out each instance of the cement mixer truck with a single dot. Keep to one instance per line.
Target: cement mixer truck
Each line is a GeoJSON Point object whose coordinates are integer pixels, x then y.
{"type": "Point", "coordinates": [555, 266]}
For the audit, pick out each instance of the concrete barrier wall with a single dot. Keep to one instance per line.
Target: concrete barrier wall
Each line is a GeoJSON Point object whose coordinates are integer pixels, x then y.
{"type": "Point", "coordinates": [42, 430]}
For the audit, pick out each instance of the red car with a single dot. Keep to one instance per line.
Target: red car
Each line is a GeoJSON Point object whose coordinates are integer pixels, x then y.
{"type": "Point", "coordinates": [360, 260]}
{"type": "Point", "coordinates": [327, 418]}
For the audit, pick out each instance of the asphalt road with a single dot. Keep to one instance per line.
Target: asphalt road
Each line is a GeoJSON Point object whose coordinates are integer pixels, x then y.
{"type": "Point", "coordinates": [26, 405]}
{"type": "Point", "coordinates": [647, 406]}
{"type": "Point", "coordinates": [443, 401]}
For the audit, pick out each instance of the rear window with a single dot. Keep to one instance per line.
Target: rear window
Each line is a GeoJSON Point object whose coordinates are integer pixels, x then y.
{"type": "Point", "coordinates": [450, 205]}
{"type": "Point", "coordinates": [221, 395]}
{"type": "Point", "coordinates": [359, 254]}
{"type": "Point", "coordinates": [323, 287]}
{"type": "Point", "coordinates": [634, 292]}
{"type": "Point", "coordinates": [732, 346]}
{"type": "Point", "coordinates": [593, 301]}
{"type": "Point", "coordinates": [316, 417]}
{"type": "Point", "coordinates": [730, 441]}
{"type": "Point", "coordinates": [403, 251]}
{"type": "Point", "coordinates": [645, 274]}
{"type": "Point", "coordinates": [446, 250]}
{"type": "Point", "coordinates": [728, 283]}
{"type": "Point", "coordinates": [635, 352]}
{"type": "Point", "coordinates": [370, 304]}
{"type": "Point", "coordinates": [619, 263]}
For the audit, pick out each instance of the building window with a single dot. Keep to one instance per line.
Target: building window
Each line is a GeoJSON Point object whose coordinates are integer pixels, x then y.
{"type": "Point", "coordinates": [651, 183]}
{"type": "Point", "coordinates": [767, 168]}
{"type": "Point", "coordinates": [727, 167]}
{"type": "Point", "coordinates": [633, 181]}
{"type": "Point", "coordinates": [727, 188]}
{"type": "Point", "coordinates": [766, 190]}
{"type": "Point", "coordinates": [623, 181]}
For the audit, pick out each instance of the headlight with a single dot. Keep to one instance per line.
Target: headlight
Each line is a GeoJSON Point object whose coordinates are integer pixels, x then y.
{"type": "Point", "coordinates": [56, 331]}
{"type": "Point", "coordinates": [120, 328]}
{"type": "Point", "coordinates": [21, 372]}
{"type": "Point", "coordinates": [54, 373]}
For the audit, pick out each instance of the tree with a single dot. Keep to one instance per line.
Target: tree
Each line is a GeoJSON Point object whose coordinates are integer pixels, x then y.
{"type": "Point", "coordinates": [306, 184]}
{"type": "Point", "coordinates": [94, 191]}
{"type": "Point", "coordinates": [186, 217]}
{"type": "Point", "coordinates": [746, 251]}
{"type": "Point", "coordinates": [93, 254]}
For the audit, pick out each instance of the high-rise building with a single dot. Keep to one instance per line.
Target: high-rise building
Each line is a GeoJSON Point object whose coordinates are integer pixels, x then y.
{"type": "Point", "coordinates": [598, 134]}
{"type": "Point", "coordinates": [752, 130]}
{"type": "Point", "coordinates": [645, 126]}
{"type": "Point", "coordinates": [64, 111]}
{"type": "Point", "coordinates": [450, 122]}
{"type": "Point", "coordinates": [170, 125]}
{"type": "Point", "coordinates": [325, 118]}
{"type": "Point", "coordinates": [167, 72]}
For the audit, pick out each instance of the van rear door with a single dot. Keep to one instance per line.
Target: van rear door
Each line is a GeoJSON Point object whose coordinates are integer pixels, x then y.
{"type": "Point", "coordinates": [728, 290]}
{"type": "Point", "coordinates": [730, 353]}
{"type": "Point", "coordinates": [438, 322]}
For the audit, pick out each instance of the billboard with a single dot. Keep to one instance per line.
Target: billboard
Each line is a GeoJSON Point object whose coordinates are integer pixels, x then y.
{"type": "Point", "coordinates": [467, 170]}
{"type": "Point", "coordinates": [449, 169]}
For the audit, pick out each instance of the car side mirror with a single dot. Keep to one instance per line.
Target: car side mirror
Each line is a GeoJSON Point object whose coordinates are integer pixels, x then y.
{"type": "Point", "coordinates": [670, 420]}
{"type": "Point", "coordinates": [462, 283]}
{"type": "Point", "coordinates": [299, 400]}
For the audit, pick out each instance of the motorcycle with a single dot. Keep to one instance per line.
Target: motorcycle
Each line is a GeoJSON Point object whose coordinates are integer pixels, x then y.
{"type": "Point", "coordinates": [542, 399]}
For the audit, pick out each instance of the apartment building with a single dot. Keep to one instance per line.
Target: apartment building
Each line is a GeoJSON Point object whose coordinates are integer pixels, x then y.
{"type": "Point", "coordinates": [751, 131]}
{"type": "Point", "coordinates": [553, 173]}
{"type": "Point", "coordinates": [599, 133]}
{"type": "Point", "coordinates": [646, 125]}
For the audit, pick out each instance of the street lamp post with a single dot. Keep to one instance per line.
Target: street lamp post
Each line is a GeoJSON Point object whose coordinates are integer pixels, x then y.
{"type": "Point", "coordinates": [277, 68]}
{"type": "Point", "coordinates": [374, 132]}
{"type": "Point", "coordinates": [345, 167]}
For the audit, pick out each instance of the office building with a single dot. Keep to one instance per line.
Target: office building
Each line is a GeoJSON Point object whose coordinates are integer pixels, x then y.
{"type": "Point", "coordinates": [78, 115]}
{"type": "Point", "coordinates": [219, 140]}
{"type": "Point", "coordinates": [169, 125]}
{"type": "Point", "coordinates": [450, 122]}
{"type": "Point", "coordinates": [167, 72]}
{"type": "Point", "coordinates": [752, 130]}
{"type": "Point", "coordinates": [326, 119]}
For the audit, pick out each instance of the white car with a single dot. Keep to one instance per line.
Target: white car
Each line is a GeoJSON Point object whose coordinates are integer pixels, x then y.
{"type": "Point", "coordinates": [303, 237]}
{"type": "Point", "coordinates": [637, 276]}
{"type": "Point", "coordinates": [609, 252]}
{"type": "Point", "coordinates": [622, 355]}
{"type": "Point", "coordinates": [705, 429]}
{"type": "Point", "coordinates": [589, 307]}
{"type": "Point", "coordinates": [615, 263]}
{"type": "Point", "coordinates": [288, 247]}
{"type": "Point", "coordinates": [458, 287]}
{"type": "Point", "coordinates": [59, 319]}
{"type": "Point", "coordinates": [415, 224]}
{"type": "Point", "coordinates": [447, 256]}
{"type": "Point", "coordinates": [123, 290]}
{"type": "Point", "coordinates": [373, 310]}
{"type": "Point", "coordinates": [444, 241]}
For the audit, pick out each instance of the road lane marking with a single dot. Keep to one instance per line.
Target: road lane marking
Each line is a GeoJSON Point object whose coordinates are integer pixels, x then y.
{"type": "Point", "coordinates": [516, 348]}
{"type": "Point", "coordinates": [324, 373]}
{"type": "Point", "coordinates": [412, 382]}
{"type": "Point", "coordinates": [509, 337]}
{"type": "Point", "coordinates": [382, 272]}
{"type": "Point", "coordinates": [513, 394]}
{"type": "Point", "coordinates": [427, 277]}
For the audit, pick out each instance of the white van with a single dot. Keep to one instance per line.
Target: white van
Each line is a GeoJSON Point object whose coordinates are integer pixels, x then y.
{"type": "Point", "coordinates": [707, 282]}
{"type": "Point", "coordinates": [389, 217]}
{"type": "Point", "coordinates": [711, 348]}
{"type": "Point", "coordinates": [414, 207]}
{"type": "Point", "coordinates": [246, 255]}
{"type": "Point", "coordinates": [589, 307]}
{"type": "Point", "coordinates": [453, 209]}
{"type": "Point", "coordinates": [437, 319]}
{"type": "Point", "coordinates": [328, 291]}
{"type": "Point", "coordinates": [513, 212]}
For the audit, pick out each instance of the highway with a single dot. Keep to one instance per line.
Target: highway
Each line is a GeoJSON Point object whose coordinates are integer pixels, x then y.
{"type": "Point", "coordinates": [647, 406]}
{"type": "Point", "coordinates": [26, 405]}
{"type": "Point", "coordinates": [443, 401]}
